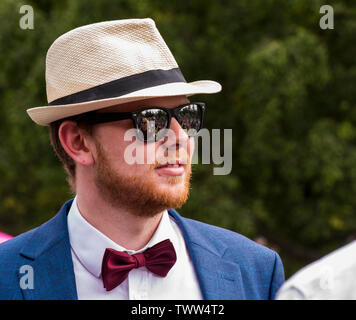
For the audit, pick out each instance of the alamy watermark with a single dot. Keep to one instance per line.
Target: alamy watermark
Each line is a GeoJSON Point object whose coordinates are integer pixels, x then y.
{"type": "Point", "coordinates": [213, 151]}
{"type": "Point", "coordinates": [27, 20]}
{"type": "Point", "coordinates": [27, 277]}
{"type": "Point", "coordinates": [327, 278]}
{"type": "Point", "coordinates": [327, 20]}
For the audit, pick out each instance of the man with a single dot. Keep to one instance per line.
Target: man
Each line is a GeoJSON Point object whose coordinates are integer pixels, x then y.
{"type": "Point", "coordinates": [119, 238]}
{"type": "Point", "coordinates": [330, 278]}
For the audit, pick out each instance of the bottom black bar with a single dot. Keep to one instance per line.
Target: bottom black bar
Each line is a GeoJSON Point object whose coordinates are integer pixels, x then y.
{"type": "Point", "coordinates": [147, 309]}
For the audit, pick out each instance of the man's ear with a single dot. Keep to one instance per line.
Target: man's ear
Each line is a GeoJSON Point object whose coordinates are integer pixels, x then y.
{"type": "Point", "coordinates": [74, 141]}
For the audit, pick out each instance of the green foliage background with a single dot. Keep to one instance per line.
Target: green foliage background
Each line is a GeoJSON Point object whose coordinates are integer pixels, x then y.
{"type": "Point", "coordinates": [288, 96]}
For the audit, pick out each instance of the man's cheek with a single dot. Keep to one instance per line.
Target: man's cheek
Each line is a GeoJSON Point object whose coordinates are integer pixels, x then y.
{"type": "Point", "coordinates": [139, 153]}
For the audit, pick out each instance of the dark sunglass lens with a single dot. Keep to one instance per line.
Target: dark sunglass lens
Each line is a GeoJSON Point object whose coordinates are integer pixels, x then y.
{"type": "Point", "coordinates": [152, 123]}
{"type": "Point", "coordinates": [189, 118]}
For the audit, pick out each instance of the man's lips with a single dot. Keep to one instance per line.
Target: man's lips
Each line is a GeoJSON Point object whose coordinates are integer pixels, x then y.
{"type": "Point", "coordinates": [173, 168]}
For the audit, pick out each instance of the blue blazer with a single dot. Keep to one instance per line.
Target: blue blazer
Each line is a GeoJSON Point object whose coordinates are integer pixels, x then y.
{"type": "Point", "coordinates": [228, 265]}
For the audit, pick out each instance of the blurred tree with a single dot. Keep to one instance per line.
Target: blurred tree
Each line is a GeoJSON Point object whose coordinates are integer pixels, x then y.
{"type": "Point", "coordinates": [288, 95]}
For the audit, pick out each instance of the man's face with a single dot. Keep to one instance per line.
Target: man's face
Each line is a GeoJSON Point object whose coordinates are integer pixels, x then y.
{"type": "Point", "coordinates": [145, 189]}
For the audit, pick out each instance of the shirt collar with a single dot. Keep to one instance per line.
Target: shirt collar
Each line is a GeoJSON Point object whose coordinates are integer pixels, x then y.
{"type": "Point", "coordinates": [89, 244]}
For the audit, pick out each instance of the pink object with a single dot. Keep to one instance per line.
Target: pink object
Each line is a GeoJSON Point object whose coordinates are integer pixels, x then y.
{"type": "Point", "coordinates": [4, 237]}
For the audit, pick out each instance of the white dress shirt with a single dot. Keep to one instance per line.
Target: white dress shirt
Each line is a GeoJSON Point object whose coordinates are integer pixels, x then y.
{"type": "Point", "coordinates": [332, 277]}
{"type": "Point", "coordinates": [88, 246]}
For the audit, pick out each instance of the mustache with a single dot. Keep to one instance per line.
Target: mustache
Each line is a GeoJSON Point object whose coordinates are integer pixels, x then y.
{"type": "Point", "coordinates": [165, 161]}
{"type": "Point", "coordinates": [179, 157]}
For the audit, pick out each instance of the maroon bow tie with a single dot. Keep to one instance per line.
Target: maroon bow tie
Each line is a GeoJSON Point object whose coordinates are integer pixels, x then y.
{"type": "Point", "coordinates": [116, 265]}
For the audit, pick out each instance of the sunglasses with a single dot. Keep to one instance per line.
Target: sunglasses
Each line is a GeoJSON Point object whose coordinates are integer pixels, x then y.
{"type": "Point", "coordinates": [152, 123]}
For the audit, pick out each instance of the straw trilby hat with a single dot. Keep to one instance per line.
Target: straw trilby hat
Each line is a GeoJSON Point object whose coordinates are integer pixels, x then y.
{"type": "Point", "coordinates": [109, 63]}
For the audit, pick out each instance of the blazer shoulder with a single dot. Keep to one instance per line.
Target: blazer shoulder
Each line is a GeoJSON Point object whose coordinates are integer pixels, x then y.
{"type": "Point", "coordinates": [11, 262]}
{"type": "Point", "coordinates": [231, 239]}
{"type": "Point", "coordinates": [25, 248]}
{"type": "Point", "coordinates": [261, 267]}
{"type": "Point", "coordinates": [11, 248]}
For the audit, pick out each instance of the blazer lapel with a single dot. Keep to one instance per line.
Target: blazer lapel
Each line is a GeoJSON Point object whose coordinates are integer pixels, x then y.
{"type": "Point", "coordinates": [218, 278]}
{"type": "Point", "coordinates": [48, 253]}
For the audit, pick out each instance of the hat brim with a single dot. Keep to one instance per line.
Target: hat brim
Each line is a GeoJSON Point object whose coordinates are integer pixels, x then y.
{"type": "Point", "coordinates": [45, 115]}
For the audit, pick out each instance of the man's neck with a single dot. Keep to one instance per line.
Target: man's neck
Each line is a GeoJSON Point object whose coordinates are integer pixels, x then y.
{"type": "Point", "coordinates": [121, 226]}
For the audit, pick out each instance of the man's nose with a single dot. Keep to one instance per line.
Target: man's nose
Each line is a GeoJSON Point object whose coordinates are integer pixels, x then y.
{"type": "Point", "coordinates": [177, 135]}
{"type": "Point", "coordinates": [177, 144]}
{"type": "Point", "coordinates": [176, 138]}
